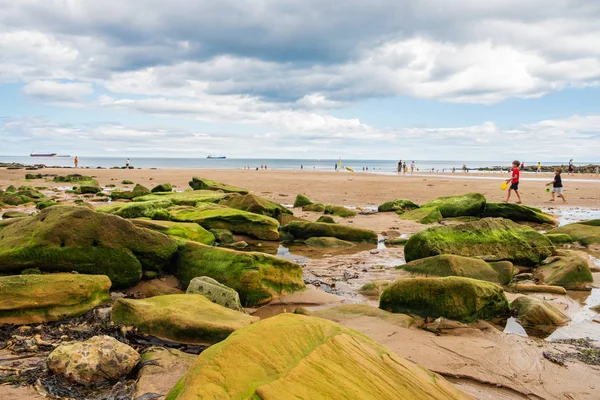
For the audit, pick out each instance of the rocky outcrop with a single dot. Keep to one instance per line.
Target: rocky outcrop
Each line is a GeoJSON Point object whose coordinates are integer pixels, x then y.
{"type": "Point", "coordinates": [518, 212]}
{"type": "Point", "coordinates": [256, 205]}
{"type": "Point", "coordinates": [400, 206]}
{"type": "Point", "coordinates": [568, 269]}
{"type": "Point", "coordinates": [215, 292]}
{"type": "Point", "coordinates": [586, 233]}
{"type": "Point", "coordinates": [188, 198]}
{"type": "Point", "coordinates": [184, 230]}
{"type": "Point", "coordinates": [207, 184]}
{"type": "Point", "coordinates": [162, 188]}
{"type": "Point", "coordinates": [470, 204]}
{"type": "Point", "coordinates": [423, 215]}
{"type": "Point", "coordinates": [302, 201]}
{"type": "Point", "coordinates": [137, 191]}
{"type": "Point", "coordinates": [306, 230]}
{"type": "Point", "coordinates": [535, 312]}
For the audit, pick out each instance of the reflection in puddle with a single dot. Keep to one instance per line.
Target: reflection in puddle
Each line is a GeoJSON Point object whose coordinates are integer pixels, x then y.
{"type": "Point", "coordinates": [582, 323]}
{"type": "Point", "coordinates": [569, 215]}
{"type": "Point", "coordinates": [284, 252]}
{"type": "Point", "coordinates": [513, 327]}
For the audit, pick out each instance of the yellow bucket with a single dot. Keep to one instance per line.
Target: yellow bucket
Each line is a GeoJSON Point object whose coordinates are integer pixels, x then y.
{"type": "Point", "coordinates": [504, 186]}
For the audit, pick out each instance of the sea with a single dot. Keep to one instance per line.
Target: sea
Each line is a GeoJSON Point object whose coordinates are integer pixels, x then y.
{"type": "Point", "coordinates": [374, 166]}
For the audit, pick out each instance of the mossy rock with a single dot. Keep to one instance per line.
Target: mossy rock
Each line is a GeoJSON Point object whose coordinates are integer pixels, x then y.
{"type": "Point", "coordinates": [529, 288]}
{"type": "Point", "coordinates": [568, 269]}
{"type": "Point", "coordinates": [33, 176]}
{"type": "Point", "coordinates": [375, 288]}
{"type": "Point", "coordinates": [33, 299]}
{"type": "Point", "coordinates": [12, 199]}
{"type": "Point", "coordinates": [207, 184]}
{"type": "Point", "coordinates": [72, 178]}
{"type": "Point", "coordinates": [146, 209]}
{"type": "Point", "coordinates": [223, 236]}
{"type": "Point", "coordinates": [127, 182]}
{"type": "Point", "coordinates": [215, 292]}
{"type": "Point", "coordinates": [453, 265]}
{"type": "Point", "coordinates": [10, 189]}
{"type": "Point", "coordinates": [184, 230]}
{"type": "Point", "coordinates": [349, 311]}
{"type": "Point", "coordinates": [458, 298]}
{"type": "Point", "coordinates": [328, 242]}
{"type": "Point", "coordinates": [14, 214]}
{"type": "Point", "coordinates": [71, 238]}
{"type": "Point", "coordinates": [182, 318]}
{"type": "Point", "coordinates": [491, 239]}
{"type": "Point", "coordinates": [212, 216]}
{"type": "Point", "coordinates": [30, 193]}
{"type": "Point", "coordinates": [302, 201]}
{"type": "Point", "coordinates": [314, 207]}
{"type": "Point", "coordinates": [400, 206]}
{"type": "Point", "coordinates": [584, 233]}
{"type": "Point", "coordinates": [339, 211]}
{"type": "Point", "coordinates": [518, 212]}
{"type": "Point", "coordinates": [505, 269]}
{"type": "Point", "coordinates": [137, 191]}
{"type": "Point", "coordinates": [310, 358]}
{"type": "Point", "coordinates": [326, 219]}
{"type": "Point", "coordinates": [559, 238]}
{"type": "Point", "coordinates": [398, 241]}
{"type": "Point", "coordinates": [162, 188]}
{"type": "Point", "coordinates": [591, 222]}
{"type": "Point", "coordinates": [470, 204]}
{"type": "Point", "coordinates": [31, 271]}
{"type": "Point", "coordinates": [40, 205]}
{"type": "Point", "coordinates": [423, 215]}
{"type": "Point", "coordinates": [257, 277]}
{"type": "Point", "coordinates": [188, 198]}
{"type": "Point", "coordinates": [536, 312]}
{"type": "Point", "coordinates": [306, 230]}
{"type": "Point", "coordinates": [89, 189]}
{"type": "Point", "coordinates": [256, 205]}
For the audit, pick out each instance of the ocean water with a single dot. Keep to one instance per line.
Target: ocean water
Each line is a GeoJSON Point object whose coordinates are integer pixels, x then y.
{"type": "Point", "coordinates": [377, 166]}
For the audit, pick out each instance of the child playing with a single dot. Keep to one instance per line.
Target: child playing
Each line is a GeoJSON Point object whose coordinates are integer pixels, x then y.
{"type": "Point", "coordinates": [514, 182]}
{"type": "Point", "coordinates": [557, 187]}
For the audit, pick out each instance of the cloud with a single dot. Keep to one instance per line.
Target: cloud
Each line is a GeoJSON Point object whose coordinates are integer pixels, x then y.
{"type": "Point", "coordinates": [59, 91]}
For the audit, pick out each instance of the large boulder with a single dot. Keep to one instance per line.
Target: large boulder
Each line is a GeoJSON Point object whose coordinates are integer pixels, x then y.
{"type": "Point", "coordinates": [32, 299]}
{"type": "Point", "coordinates": [215, 292]}
{"type": "Point", "coordinates": [457, 298]}
{"type": "Point", "coordinates": [586, 233]}
{"type": "Point", "coordinates": [207, 184]}
{"type": "Point", "coordinates": [306, 230]}
{"type": "Point", "coordinates": [400, 206]}
{"type": "Point", "coordinates": [452, 265]}
{"type": "Point", "coordinates": [99, 359]}
{"type": "Point", "coordinates": [257, 277]}
{"type": "Point", "coordinates": [470, 204]}
{"type": "Point", "coordinates": [14, 214]}
{"type": "Point", "coordinates": [182, 318]}
{"type": "Point", "coordinates": [423, 215]}
{"type": "Point", "coordinates": [518, 212]}
{"type": "Point", "coordinates": [212, 216]}
{"type": "Point", "coordinates": [256, 205]}
{"type": "Point", "coordinates": [188, 197]}
{"type": "Point", "coordinates": [163, 187]}
{"type": "Point", "coordinates": [302, 201]}
{"type": "Point", "coordinates": [184, 230]}
{"type": "Point", "coordinates": [535, 312]}
{"type": "Point", "coordinates": [492, 239]}
{"type": "Point", "coordinates": [296, 356]}
{"type": "Point", "coordinates": [137, 191]}
{"type": "Point", "coordinates": [154, 209]}
{"type": "Point", "coordinates": [70, 238]}
{"type": "Point", "coordinates": [568, 269]}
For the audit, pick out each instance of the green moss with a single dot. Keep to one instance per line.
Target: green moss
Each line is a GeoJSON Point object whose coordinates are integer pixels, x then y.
{"type": "Point", "coordinates": [492, 239]}
{"type": "Point", "coordinates": [14, 214]}
{"type": "Point", "coordinates": [163, 187]}
{"type": "Point", "coordinates": [452, 265]}
{"type": "Point", "coordinates": [138, 191]}
{"type": "Point", "coordinates": [328, 242]}
{"type": "Point", "coordinates": [559, 238]}
{"type": "Point", "coordinates": [301, 201]}
{"type": "Point", "coordinates": [400, 206]}
{"type": "Point", "coordinates": [127, 182]}
{"type": "Point", "coordinates": [84, 189]}
{"type": "Point", "coordinates": [188, 198]}
{"type": "Point", "coordinates": [568, 269]}
{"type": "Point", "coordinates": [339, 211]}
{"type": "Point", "coordinates": [457, 298]}
{"type": "Point", "coordinates": [45, 204]}
{"type": "Point", "coordinates": [306, 230]}
{"type": "Point", "coordinates": [314, 207]}
{"type": "Point", "coordinates": [374, 288]}
{"type": "Point", "coordinates": [591, 222]}
{"type": "Point", "coordinates": [423, 215]}
{"type": "Point", "coordinates": [184, 230]}
{"type": "Point", "coordinates": [31, 271]}
{"type": "Point", "coordinates": [398, 241]}
{"type": "Point", "coordinates": [456, 206]}
{"type": "Point", "coordinates": [326, 219]}
{"type": "Point", "coordinates": [207, 184]}
{"type": "Point", "coordinates": [517, 212]}
{"type": "Point", "coordinates": [223, 236]}
{"type": "Point", "coordinates": [145, 209]}
{"type": "Point", "coordinates": [584, 233]}
{"type": "Point", "coordinates": [73, 178]}
{"type": "Point", "coordinates": [257, 205]}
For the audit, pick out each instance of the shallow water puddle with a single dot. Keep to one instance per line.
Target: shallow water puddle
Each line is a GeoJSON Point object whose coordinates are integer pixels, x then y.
{"type": "Point", "coordinates": [569, 215]}
{"type": "Point", "coordinates": [582, 323]}
{"type": "Point", "coordinates": [513, 327]}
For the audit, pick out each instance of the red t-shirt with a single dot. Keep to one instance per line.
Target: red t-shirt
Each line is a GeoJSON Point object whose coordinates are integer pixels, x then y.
{"type": "Point", "coordinates": [515, 175]}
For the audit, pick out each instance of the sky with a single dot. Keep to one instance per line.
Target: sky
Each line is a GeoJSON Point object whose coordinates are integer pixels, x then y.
{"type": "Point", "coordinates": [379, 79]}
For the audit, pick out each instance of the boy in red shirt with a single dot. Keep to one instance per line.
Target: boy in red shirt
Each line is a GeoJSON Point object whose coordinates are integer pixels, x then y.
{"type": "Point", "coordinates": [514, 181]}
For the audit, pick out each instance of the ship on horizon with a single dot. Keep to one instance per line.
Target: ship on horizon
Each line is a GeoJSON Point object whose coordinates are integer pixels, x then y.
{"type": "Point", "coordinates": [214, 157]}
{"type": "Point", "coordinates": [34, 154]}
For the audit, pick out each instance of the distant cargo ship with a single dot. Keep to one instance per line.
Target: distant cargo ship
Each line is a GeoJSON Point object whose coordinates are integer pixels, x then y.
{"type": "Point", "coordinates": [63, 155]}
{"type": "Point", "coordinates": [42, 155]}
{"type": "Point", "coordinates": [213, 157]}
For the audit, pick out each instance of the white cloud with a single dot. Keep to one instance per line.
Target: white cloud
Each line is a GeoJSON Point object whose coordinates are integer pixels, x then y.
{"type": "Point", "coordinates": [59, 91]}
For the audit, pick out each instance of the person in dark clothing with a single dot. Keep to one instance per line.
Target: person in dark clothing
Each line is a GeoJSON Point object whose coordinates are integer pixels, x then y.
{"type": "Point", "coordinates": [557, 186]}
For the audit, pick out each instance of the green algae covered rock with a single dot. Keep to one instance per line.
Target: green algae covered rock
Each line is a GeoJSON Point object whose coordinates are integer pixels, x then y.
{"type": "Point", "coordinates": [184, 230]}
{"type": "Point", "coordinates": [212, 216]}
{"type": "Point", "coordinates": [40, 205]}
{"type": "Point", "coordinates": [339, 211]}
{"type": "Point", "coordinates": [505, 269]}
{"type": "Point", "coordinates": [491, 239]}
{"type": "Point", "coordinates": [309, 358]}
{"type": "Point", "coordinates": [314, 207]}
{"type": "Point", "coordinates": [34, 298]}
{"type": "Point", "coordinates": [457, 298]}
{"type": "Point", "coordinates": [14, 214]}
{"type": "Point", "coordinates": [215, 292]}
{"type": "Point", "coordinates": [146, 209]}
{"type": "Point", "coordinates": [223, 236]}
{"type": "Point", "coordinates": [470, 204]}
{"type": "Point", "coordinates": [306, 230]}
{"type": "Point", "coordinates": [257, 277]}
{"type": "Point", "coordinates": [423, 215]}
{"type": "Point", "coordinates": [536, 312]}
{"type": "Point", "coordinates": [302, 201]}
{"type": "Point", "coordinates": [71, 238]}
{"type": "Point", "coordinates": [518, 212]}
{"type": "Point", "coordinates": [188, 198]}
{"type": "Point", "coordinates": [326, 219]}
{"type": "Point", "coordinates": [584, 233]}
{"type": "Point", "coordinates": [256, 205]}
{"type": "Point", "coordinates": [98, 359]}
{"type": "Point", "coordinates": [328, 242]}
{"type": "Point", "coordinates": [72, 178]}
{"type": "Point", "coordinates": [374, 288]}
{"type": "Point", "coordinates": [182, 318]}
{"type": "Point", "coordinates": [137, 191]}
{"type": "Point", "coordinates": [163, 187]}
{"type": "Point", "coordinates": [207, 184]}
{"type": "Point", "coordinates": [559, 238]}
{"type": "Point", "coordinates": [86, 189]}
{"type": "Point", "coordinates": [452, 265]}
{"type": "Point", "coordinates": [400, 206]}
{"type": "Point", "coordinates": [568, 269]}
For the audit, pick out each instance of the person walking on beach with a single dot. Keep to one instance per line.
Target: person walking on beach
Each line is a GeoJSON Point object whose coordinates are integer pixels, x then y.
{"type": "Point", "coordinates": [571, 167]}
{"type": "Point", "coordinates": [404, 168]}
{"type": "Point", "coordinates": [557, 187]}
{"type": "Point", "coordinates": [127, 163]}
{"type": "Point", "coordinates": [412, 167]}
{"type": "Point", "coordinates": [76, 162]}
{"type": "Point", "coordinates": [399, 166]}
{"type": "Point", "coordinates": [514, 182]}
{"type": "Point", "coordinates": [539, 167]}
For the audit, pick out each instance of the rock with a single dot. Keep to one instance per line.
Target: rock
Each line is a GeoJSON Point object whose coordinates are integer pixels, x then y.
{"type": "Point", "coordinates": [40, 205]}
{"type": "Point", "coordinates": [239, 245]}
{"type": "Point", "coordinates": [182, 318]}
{"type": "Point", "coordinates": [374, 288]}
{"type": "Point", "coordinates": [397, 241]}
{"type": "Point", "coordinates": [185, 230]}
{"type": "Point", "coordinates": [505, 269]}
{"type": "Point", "coordinates": [223, 236]}
{"type": "Point", "coordinates": [71, 238]}
{"type": "Point", "coordinates": [518, 212]}
{"type": "Point", "coordinates": [256, 205]}
{"type": "Point", "coordinates": [14, 214]}
{"type": "Point", "coordinates": [559, 238]}
{"type": "Point", "coordinates": [99, 359]}
{"type": "Point", "coordinates": [161, 369]}
{"type": "Point", "coordinates": [212, 216]}
{"type": "Point", "coordinates": [457, 298]}
{"type": "Point", "coordinates": [36, 298]}
{"type": "Point", "coordinates": [342, 312]}
{"type": "Point", "coordinates": [154, 287]}
{"type": "Point", "coordinates": [163, 187]}
{"type": "Point", "coordinates": [326, 219]}
{"type": "Point", "coordinates": [492, 239]}
{"type": "Point", "coordinates": [529, 288]}
{"type": "Point", "coordinates": [137, 191]}
{"type": "Point", "coordinates": [586, 234]}
{"type": "Point", "coordinates": [306, 230]}
{"type": "Point", "coordinates": [339, 211]}
{"type": "Point", "coordinates": [399, 206]}
{"type": "Point", "coordinates": [89, 189]}
{"type": "Point", "coordinates": [188, 198]}
{"type": "Point", "coordinates": [148, 209]}
{"type": "Point", "coordinates": [127, 182]}
{"type": "Point", "coordinates": [314, 207]}
{"type": "Point", "coordinates": [327, 242]}
{"type": "Point", "coordinates": [470, 204]}
{"type": "Point", "coordinates": [257, 277]}
{"type": "Point", "coordinates": [33, 176]}
{"type": "Point", "coordinates": [535, 312]}
{"type": "Point", "coordinates": [206, 184]}
{"type": "Point", "coordinates": [306, 357]}
{"type": "Point", "coordinates": [526, 276]}
{"type": "Point", "coordinates": [568, 269]}
{"type": "Point", "coordinates": [423, 215]}
{"type": "Point", "coordinates": [452, 265]}
{"type": "Point", "coordinates": [215, 292]}
{"type": "Point", "coordinates": [72, 178]}
{"type": "Point", "coordinates": [302, 201]}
